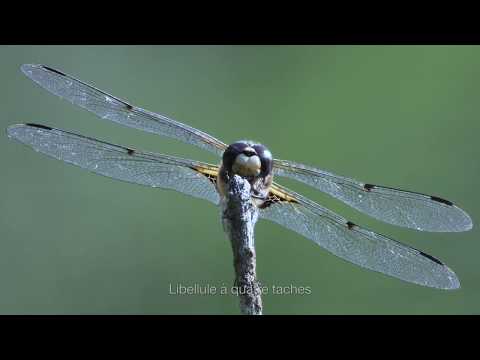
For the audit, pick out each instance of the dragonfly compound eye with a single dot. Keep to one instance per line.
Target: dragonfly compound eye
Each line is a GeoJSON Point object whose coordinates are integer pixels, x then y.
{"type": "Point", "coordinates": [266, 159]}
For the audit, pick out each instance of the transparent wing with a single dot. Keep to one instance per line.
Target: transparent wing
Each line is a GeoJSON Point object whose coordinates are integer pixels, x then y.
{"type": "Point", "coordinates": [397, 207]}
{"type": "Point", "coordinates": [111, 108]}
{"type": "Point", "coordinates": [118, 162]}
{"type": "Point", "coordinates": [355, 244]}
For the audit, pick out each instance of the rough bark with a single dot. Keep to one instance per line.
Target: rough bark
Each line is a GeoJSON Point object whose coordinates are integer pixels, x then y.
{"type": "Point", "coordinates": [239, 216]}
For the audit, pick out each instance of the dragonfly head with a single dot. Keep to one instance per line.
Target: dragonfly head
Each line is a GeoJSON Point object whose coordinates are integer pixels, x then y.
{"type": "Point", "coordinates": [248, 159]}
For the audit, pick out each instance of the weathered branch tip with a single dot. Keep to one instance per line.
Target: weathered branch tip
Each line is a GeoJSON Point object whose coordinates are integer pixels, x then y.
{"type": "Point", "coordinates": [239, 216]}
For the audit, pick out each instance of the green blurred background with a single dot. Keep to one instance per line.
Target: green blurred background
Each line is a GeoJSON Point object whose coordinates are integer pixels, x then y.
{"type": "Point", "coordinates": [72, 242]}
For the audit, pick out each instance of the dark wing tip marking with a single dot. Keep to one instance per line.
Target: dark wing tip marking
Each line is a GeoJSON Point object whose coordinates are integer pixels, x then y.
{"type": "Point", "coordinates": [130, 151]}
{"type": "Point", "coordinates": [440, 200]}
{"type": "Point", "coordinates": [128, 106]}
{"type": "Point", "coordinates": [39, 126]}
{"type": "Point", "coordinates": [53, 70]}
{"type": "Point", "coordinates": [350, 225]}
{"type": "Point", "coordinates": [431, 258]}
{"type": "Point", "coordinates": [369, 187]}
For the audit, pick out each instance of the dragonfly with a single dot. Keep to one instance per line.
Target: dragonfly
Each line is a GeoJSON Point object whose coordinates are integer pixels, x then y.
{"type": "Point", "coordinates": [254, 162]}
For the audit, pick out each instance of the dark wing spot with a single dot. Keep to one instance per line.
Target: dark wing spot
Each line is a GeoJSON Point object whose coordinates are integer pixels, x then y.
{"type": "Point", "coordinates": [267, 203]}
{"type": "Point", "coordinates": [368, 187]}
{"type": "Point", "coordinates": [213, 178]}
{"type": "Point", "coordinates": [128, 106]}
{"type": "Point", "coordinates": [440, 200]}
{"type": "Point", "coordinates": [130, 151]}
{"type": "Point", "coordinates": [350, 225]}
{"type": "Point", "coordinates": [39, 126]}
{"type": "Point", "coordinates": [53, 70]}
{"type": "Point", "coordinates": [431, 258]}
{"type": "Point", "coordinates": [271, 199]}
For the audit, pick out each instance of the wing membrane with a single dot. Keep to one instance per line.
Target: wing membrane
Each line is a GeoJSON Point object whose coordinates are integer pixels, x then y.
{"type": "Point", "coordinates": [111, 108]}
{"type": "Point", "coordinates": [337, 235]}
{"type": "Point", "coordinates": [355, 244]}
{"type": "Point", "coordinates": [397, 207]}
{"type": "Point", "coordinates": [118, 162]}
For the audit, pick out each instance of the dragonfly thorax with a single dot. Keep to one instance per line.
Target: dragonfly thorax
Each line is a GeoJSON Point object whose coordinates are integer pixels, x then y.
{"type": "Point", "coordinates": [254, 163]}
